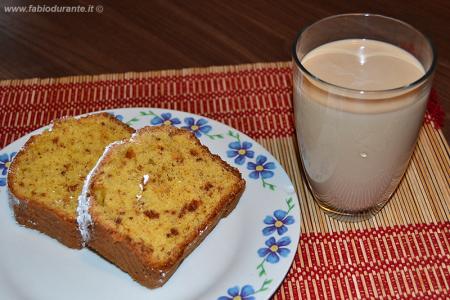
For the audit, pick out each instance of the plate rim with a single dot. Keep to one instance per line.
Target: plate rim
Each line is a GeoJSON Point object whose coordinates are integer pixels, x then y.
{"type": "Point", "coordinates": [296, 239]}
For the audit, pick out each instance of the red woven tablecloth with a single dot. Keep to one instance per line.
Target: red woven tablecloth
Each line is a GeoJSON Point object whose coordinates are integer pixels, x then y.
{"type": "Point", "coordinates": [403, 252]}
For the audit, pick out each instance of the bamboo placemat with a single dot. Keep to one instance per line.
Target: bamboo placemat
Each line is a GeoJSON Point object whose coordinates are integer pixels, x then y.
{"type": "Point", "coordinates": [402, 252]}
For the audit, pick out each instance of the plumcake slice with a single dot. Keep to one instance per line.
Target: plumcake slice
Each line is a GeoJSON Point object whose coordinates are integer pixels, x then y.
{"type": "Point", "coordinates": [46, 177]}
{"type": "Point", "coordinates": [151, 200]}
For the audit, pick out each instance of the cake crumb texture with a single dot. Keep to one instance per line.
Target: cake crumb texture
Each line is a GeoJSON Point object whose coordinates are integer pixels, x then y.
{"type": "Point", "coordinates": [159, 195]}
{"type": "Point", "coordinates": [47, 175]}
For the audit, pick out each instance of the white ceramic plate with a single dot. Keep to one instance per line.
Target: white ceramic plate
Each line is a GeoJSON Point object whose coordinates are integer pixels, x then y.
{"type": "Point", "coordinates": [247, 254]}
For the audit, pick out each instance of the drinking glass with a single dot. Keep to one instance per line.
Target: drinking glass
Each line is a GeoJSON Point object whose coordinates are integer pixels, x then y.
{"type": "Point", "coordinates": [355, 145]}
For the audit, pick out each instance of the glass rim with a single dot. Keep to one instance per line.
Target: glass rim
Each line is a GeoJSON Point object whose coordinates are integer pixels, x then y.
{"type": "Point", "coordinates": [396, 89]}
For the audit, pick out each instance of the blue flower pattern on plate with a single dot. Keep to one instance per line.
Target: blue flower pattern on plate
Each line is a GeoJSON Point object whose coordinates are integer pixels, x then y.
{"type": "Point", "coordinates": [234, 294]}
{"type": "Point", "coordinates": [165, 119]}
{"type": "Point", "coordinates": [117, 116]}
{"type": "Point", "coordinates": [240, 151]}
{"type": "Point", "coordinates": [277, 223]}
{"type": "Point", "coordinates": [198, 127]}
{"type": "Point", "coordinates": [5, 162]}
{"type": "Point", "coordinates": [275, 249]}
{"type": "Point", "coordinates": [260, 168]}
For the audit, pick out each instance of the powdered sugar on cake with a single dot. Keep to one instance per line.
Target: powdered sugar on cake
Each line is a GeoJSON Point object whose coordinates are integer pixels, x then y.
{"type": "Point", "coordinates": [84, 219]}
{"type": "Point", "coordinates": [142, 185]}
{"type": "Point", "coordinates": [13, 201]}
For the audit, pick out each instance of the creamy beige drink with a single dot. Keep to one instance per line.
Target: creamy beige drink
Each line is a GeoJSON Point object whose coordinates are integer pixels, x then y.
{"type": "Point", "coordinates": [355, 146]}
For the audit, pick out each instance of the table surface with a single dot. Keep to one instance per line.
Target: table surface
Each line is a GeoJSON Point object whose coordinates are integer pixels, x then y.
{"type": "Point", "coordinates": [153, 35]}
{"type": "Point", "coordinates": [403, 251]}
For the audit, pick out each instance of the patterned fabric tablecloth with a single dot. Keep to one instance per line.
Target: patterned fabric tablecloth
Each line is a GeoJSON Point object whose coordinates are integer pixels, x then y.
{"type": "Point", "coordinates": [403, 252]}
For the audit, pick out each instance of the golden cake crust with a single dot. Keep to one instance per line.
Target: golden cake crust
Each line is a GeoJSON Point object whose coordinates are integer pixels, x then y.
{"type": "Point", "coordinates": [134, 257]}
{"type": "Point", "coordinates": [35, 215]}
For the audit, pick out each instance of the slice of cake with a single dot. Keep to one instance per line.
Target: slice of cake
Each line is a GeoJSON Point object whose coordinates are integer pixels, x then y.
{"type": "Point", "coordinates": [151, 200]}
{"type": "Point", "coordinates": [47, 175]}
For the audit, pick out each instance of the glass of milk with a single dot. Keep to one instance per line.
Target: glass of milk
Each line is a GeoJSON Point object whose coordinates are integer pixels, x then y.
{"type": "Point", "coordinates": [361, 85]}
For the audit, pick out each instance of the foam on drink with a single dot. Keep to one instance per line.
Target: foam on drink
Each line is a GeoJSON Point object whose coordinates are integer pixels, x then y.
{"type": "Point", "coordinates": [363, 65]}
